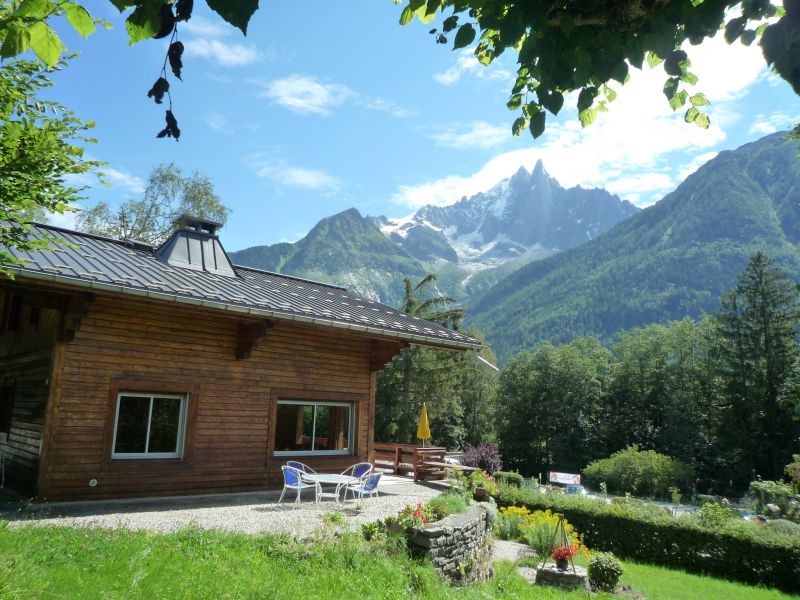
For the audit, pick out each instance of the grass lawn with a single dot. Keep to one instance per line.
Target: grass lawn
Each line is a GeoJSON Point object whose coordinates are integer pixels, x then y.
{"type": "Point", "coordinates": [93, 563]}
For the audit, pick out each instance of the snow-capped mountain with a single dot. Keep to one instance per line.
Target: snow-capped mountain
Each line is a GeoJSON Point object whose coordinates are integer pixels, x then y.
{"type": "Point", "coordinates": [529, 214]}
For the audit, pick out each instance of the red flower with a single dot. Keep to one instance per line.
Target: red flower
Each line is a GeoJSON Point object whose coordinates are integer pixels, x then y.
{"type": "Point", "coordinates": [564, 553]}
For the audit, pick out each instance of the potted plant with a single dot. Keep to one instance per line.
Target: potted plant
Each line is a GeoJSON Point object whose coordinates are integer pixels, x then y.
{"type": "Point", "coordinates": [562, 556]}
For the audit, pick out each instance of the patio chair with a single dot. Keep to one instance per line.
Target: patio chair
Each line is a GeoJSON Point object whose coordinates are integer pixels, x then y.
{"type": "Point", "coordinates": [369, 485]}
{"type": "Point", "coordinates": [293, 480]}
{"type": "Point", "coordinates": [358, 470]}
{"type": "Point", "coordinates": [299, 466]}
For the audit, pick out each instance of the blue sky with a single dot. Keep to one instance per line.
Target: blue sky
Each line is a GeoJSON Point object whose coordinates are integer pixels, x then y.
{"type": "Point", "coordinates": [325, 106]}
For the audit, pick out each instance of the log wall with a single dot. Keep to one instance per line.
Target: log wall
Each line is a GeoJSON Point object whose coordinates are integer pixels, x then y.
{"type": "Point", "coordinates": [128, 345]}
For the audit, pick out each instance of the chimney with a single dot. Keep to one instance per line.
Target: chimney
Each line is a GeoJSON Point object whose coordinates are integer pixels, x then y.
{"type": "Point", "coordinates": [195, 245]}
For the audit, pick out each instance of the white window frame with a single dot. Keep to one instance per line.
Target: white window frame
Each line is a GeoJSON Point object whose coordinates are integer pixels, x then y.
{"type": "Point", "coordinates": [148, 455]}
{"type": "Point", "coordinates": [350, 430]}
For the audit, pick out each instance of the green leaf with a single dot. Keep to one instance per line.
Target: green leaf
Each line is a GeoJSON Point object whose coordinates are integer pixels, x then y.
{"type": "Point", "coordinates": [748, 37]}
{"type": "Point", "coordinates": [79, 18]}
{"type": "Point", "coordinates": [587, 117]}
{"type": "Point", "coordinates": [671, 87]}
{"type": "Point", "coordinates": [18, 40]}
{"type": "Point", "coordinates": [702, 121]}
{"type": "Point", "coordinates": [514, 102]}
{"type": "Point", "coordinates": [423, 15]}
{"type": "Point", "coordinates": [465, 36]}
{"type": "Point", "coordinates": [586, 98]}
{"type": "Point", "coordinates": [406, 16]}
{"type": "Point", "coordinates": [610, 94]}
{"type": "Point", "coordinates": [46, 43]}
{"type": "Point", "coordinates": [123, 4]}
{"type": "Point", "coordinates": [620, 72]}
{"type": "Point", "coordinates": [144, 22]}
{"type": "Point", "coordinates": [653, 59]}
{"type": "Point", "coordinates": [416, 4]}
{"type": "Point", "coordinates": [691, 115]}
{"type": "Point", "coordinates": [520, 124]}
{"type": "Point", "coordinates": [678, 100]}
{"type": "Point", "coordinates": [450, 23]}
{"type": "Point", "coordinates": [537, 124]}
{"type": "Point", "coordinates": [235, 12]}
{"type": "Point", "coordinates": [689, 78]}
{"type": "Point", "coordinates": [699, 100]}
{"type": "Point", "coordinates": [35, 9]}
{"type": "Point", "coordinates": [553, 101]}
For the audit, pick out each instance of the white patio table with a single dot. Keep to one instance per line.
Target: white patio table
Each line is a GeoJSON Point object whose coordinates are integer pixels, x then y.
{"type": "Point", "coordinates": [340, 481]}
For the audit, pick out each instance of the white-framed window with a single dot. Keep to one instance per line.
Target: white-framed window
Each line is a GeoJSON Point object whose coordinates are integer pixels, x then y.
{"type": "Point", "coordinates": [149, 425]}
{"type": "Point", "coordinates": [311, 427]}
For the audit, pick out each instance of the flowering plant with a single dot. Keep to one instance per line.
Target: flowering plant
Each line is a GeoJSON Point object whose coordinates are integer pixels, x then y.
{"type": "Point", "coordinates": [412, 516]}
{"type": "Point", "coordinates": [564, 553]}
{"type": "Point", "coordinates": [484, 480]}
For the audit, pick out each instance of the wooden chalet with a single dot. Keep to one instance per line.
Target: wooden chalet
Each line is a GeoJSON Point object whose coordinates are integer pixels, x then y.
{"type": "Point", "coordinates": [127, 370]}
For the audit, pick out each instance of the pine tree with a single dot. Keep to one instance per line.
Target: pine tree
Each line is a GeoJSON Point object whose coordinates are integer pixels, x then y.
{"type": "Point", "coordinates": [756, 329]}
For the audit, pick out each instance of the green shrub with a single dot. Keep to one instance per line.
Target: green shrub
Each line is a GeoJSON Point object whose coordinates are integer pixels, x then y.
{"type": "Point", "coordinates": [642, 473]}
{"type": "Point", "coordinates": [373, 530]}
{"type": "Point", "coordinates": [604, 571]}
{"type": "Point", "coordinates": [714, 516]}
{"type": "Point", "coordinates": [783, 526]}
{"type": "Point", "coordinates": [510, 478]}
{"type": "Point", "coordinates": [742, 551]}
{"type": "Point", "coordinates": [793, 471]}
{"type": "Point", "coordinates": [446, 504]}
{"type": "Point", "coordinates": [770, 494]}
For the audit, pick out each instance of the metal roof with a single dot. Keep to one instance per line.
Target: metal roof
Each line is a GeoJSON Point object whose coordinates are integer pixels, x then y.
{"type": "Point", "coordinates": [106, 264]}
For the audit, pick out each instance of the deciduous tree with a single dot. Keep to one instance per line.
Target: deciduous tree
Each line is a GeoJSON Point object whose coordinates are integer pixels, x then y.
{"type": "Point", "coordinates": [41, 147]}
{"type": "Point", "coordinates": [169, 193]}
{"type": "Point", "coordinates": [588, 47]}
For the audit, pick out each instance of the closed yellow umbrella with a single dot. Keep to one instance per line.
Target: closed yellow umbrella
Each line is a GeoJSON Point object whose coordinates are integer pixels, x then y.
{"type": "Point", "coordinates": [424, 430]}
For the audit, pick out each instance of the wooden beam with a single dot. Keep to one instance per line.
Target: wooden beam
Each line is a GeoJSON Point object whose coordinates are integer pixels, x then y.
{"type": "Point", "coordinates": [248, 336]}
{"type": "Point", "coordinates": [382, 353]}
{"type": "Point", "coordinates": [74, 310]}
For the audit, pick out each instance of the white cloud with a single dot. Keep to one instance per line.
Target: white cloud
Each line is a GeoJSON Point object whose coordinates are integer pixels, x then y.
{"type": "Point", "coordinates": [636, 185]}
{"type": "Point", "coordinates": [65, 220]}
{"type": "Point", "coordinates": [219, 123]}
{"type": "Point", "coordinates": [201, 27]}
{"type": "Point", "coordinates": [467, 64]}
{"type": "Point", "coordinates": [208, 40]}
{"type": "Point", "coordinates": [123, 180]}
{"type": "Point", "coordinates": [636, 136]}
{"type": "Point", "coordinates": [281, 172]}
{"type": "Point", "coordinates": [387, 106]}
{"type": "Point", "coordinates": [771, 122]}
{"type": "Point", "coordinates": [304, 94]}
{"type": "Point", "coordinates": [478, 134]}
{"type": "Point", "coordinates": [223, 53]}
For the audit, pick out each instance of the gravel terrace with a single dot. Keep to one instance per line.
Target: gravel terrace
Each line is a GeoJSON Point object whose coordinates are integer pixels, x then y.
{"type": "Point", "coordinates": [246, 513]}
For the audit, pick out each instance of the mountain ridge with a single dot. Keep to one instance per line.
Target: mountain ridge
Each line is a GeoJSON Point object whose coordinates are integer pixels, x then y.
{"type": "Point", "coordinates": [673, 259]}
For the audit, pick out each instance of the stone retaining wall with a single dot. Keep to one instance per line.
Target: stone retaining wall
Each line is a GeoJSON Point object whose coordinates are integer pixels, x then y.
{"type": "Point", "coordinates": [460, 546]}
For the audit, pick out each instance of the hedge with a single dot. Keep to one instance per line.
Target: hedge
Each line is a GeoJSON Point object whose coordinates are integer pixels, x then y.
{"type": "Point", "coordinates": [510, 478]}
{"type": "Point", "coordinates": [741, 552]}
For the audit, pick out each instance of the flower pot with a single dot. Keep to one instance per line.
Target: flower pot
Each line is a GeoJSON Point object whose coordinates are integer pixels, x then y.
{"type": "Point", "coordinates": [562, 564]}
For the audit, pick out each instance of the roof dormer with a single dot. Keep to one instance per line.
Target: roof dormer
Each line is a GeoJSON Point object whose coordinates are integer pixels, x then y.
{"type": "Point", "coordinates": [195, 245]}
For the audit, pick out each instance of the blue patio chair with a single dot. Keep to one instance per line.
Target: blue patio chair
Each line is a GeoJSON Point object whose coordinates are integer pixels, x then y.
{"type": "Point", "coordinates": [369, 485]}
{"type": "Point", "coordinates": [293, 480]}
{"type": "Point", "coordinates": [299, 466]}
{"type": "Point", "coordinates": [358, 470]}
